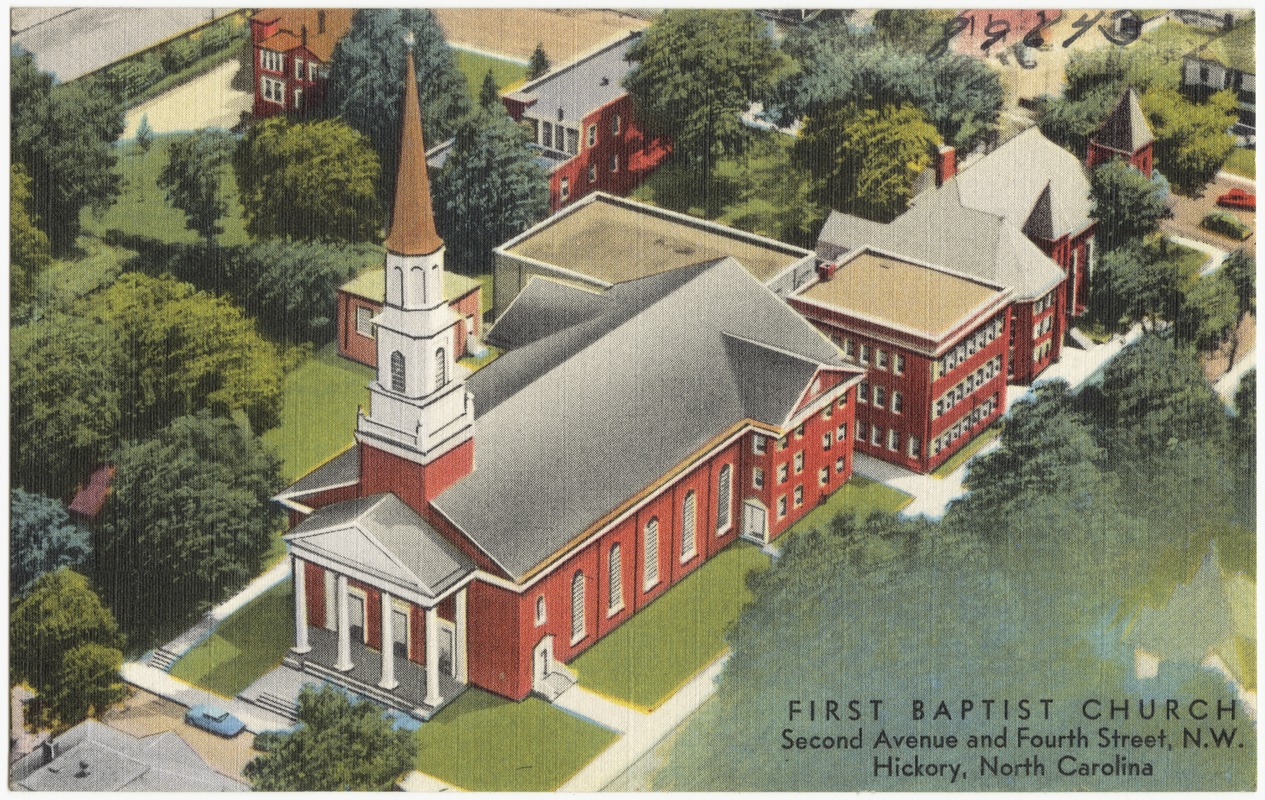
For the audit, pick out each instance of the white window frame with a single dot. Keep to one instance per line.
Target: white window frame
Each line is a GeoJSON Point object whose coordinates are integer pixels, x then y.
{"type": "Point", "coordinates": [759, 444]}
{"type": "Point", "coordinates": [615, 580]}
{"type": "Point", "coordinates": [689, 526]}
{"type": "Point", "coordinates": [564, 187]}
{"type": "Point", "coordinates": [757, 478]}
{"type": "Point", "coordinates": [799, 495]}
{"type": "Point", "coordinates": [724, 492]}
{"type": "Point", "coordinates": [272, 90]}
{"type": "Point", "coordinates": [799, 462]}
{"type": "Point", "coordinates": [898, 403]}
{"type": "Point", "coordinates": [839, 462]}
{"type": "Point", "coordinates": [298, 68]}
{"type": "Point", "coordinates": [823, 476]}
{"type": "Point", "coordinates": [615, 125]}
{"type": "Point", "coordinates": [542, 612]}
{"type": "Point", "coordinates": [893, 439]}
{"type": "Point", "coordinates": [592, 137]}
{"type": "Point", "coordinates": [364, 322]}
{"type": "Point", "coordinates": [579, 597]}
{"type": "Point", "coordinates": [650, 571]}
{"type": "Point", "coordinates": [783, 472]}
{"type": "Point", "coordinates": [781, 507]}
{"type": "Point", "coordinates": [592, 173]}
{"type": "Point", "coordinates": [271, 60]}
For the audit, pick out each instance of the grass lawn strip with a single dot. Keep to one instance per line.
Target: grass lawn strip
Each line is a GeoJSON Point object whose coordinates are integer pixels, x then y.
{"type": "Point", "coordinates": [485, 743]}
{"type": "Point", "coordinates": [476, 65]}
{"type": "Point", "coordinates": [319, 411]}
{"type": "Point", "coordinates": [245, 646]}
{"type": "Point", "coordinates": [1242, 162]}
{"type": "Point", "coordinates": [987, 435]}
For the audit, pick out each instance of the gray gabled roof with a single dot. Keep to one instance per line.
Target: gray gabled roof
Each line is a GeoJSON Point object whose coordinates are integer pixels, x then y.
{"type": "Point", "coordinates": [843, 232]}
{"type": "Point", "coordinates": [1125, 129]}
{"type": "Point", "coordinates": [93, 757]}
{"type": "Point", "coordinates": [341, 470]}
{"type": "Point", "coordinates": [591, 416]}
{"type": "Point", "coordinates": [551, 307]}
{"type": "Point", "coordinates": [383, 536]}
{"type": "Point", "coordinates": [1009, 181]}
{"type": "Point", "coordinates": [580, 87]}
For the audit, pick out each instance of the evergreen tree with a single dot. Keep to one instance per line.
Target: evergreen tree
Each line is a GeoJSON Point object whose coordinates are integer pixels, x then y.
{"type": "Point", "coordinates": [539, 63]}
{"type": "Point", "coordinates": [144, 133]}
{"type": "Point", "coordinates": [42, 538]}
{"type": "Point", "coordinates": [489, 93]}
{"type": "Point", "coordinates": [29, 250]}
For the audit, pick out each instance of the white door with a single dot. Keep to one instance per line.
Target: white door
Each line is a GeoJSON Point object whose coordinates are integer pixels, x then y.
{"type": "Point", "coordinates": [755, 522]}
{"type": "Point", "coordinates": [542, 660]}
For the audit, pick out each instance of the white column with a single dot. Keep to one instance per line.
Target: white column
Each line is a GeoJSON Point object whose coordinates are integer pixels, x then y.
{"type": "Point", "coordinates": [459, 658]}
{"type": "Point", "coordinates": [432, 657]}
{"type": "Point", "coordinates": [344, 628]}
{"type": "Point", "coordinates": [299, 569]}
{"type": "Point", "coordinates": [388, 644]}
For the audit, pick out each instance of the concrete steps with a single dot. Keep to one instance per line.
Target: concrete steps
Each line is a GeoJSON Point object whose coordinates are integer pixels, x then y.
{"type": "Point", "coordinates": [277, 705]}
{"type": "Point", "coordinates": [163, 659]}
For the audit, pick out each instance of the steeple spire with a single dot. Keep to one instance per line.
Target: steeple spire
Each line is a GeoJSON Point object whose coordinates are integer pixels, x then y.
{"type": "Point", "coordinates": [413, 221]}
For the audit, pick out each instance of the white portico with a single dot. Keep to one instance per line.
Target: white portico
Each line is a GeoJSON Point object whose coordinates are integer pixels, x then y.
{"type": "Point", "coordinates": [380, 603]}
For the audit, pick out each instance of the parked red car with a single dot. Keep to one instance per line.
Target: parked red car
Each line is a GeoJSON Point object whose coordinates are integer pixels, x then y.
{"type": "Point", "coordinates": [1238, 198]}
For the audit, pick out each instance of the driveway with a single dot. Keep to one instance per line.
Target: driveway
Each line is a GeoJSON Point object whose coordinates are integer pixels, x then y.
{"type": "Point", "coordinates": [208, 101]}
{"type": "Point", "coordinates": [145, 713]}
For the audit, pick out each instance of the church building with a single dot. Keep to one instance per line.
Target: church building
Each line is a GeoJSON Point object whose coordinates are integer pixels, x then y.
{"type": "Point", "coordinates": [485, 529]}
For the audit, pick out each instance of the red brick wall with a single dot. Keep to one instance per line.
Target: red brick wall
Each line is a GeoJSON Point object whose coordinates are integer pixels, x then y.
{"type": "Point", "coordinates": [315, 590]}
{"type": "Point", "coordinates": [499, 660]}
{"type": "Point", "coordinates": [364, 349]}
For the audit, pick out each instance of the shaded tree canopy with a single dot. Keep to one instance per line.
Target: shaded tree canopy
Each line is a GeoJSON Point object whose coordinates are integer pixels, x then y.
{"type": "Point", "coordinates": [42, 538]}
{"type": "Point", "coordinates": [1127, 205]}
{"type": "Point", "coordinates": [340, 745]}
{"type": "Point", "coordinates": [29, 251]}
{"type": "Point", "coordinates": [192, 177]}
{"type": "Point", "coordinates": [188, 521]}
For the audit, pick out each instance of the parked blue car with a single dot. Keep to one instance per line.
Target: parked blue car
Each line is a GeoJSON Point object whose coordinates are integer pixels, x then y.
{"type": "Point", "coordinates": [214, 719]}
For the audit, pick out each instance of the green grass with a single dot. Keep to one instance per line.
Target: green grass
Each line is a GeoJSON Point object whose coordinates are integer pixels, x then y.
{"type": "Point", "coordinates": [1190, 262]}
{"type": "Point", "coordinates": [1241, 162]}
{"type": "Point", "coordinates": [684, 628]}
{"type": "Point", "coordinates": [1168, 46]}
{"type": "Point", "coordinates": [987, 435]}
{"type": "Point", "coordinates": [319, 411]}
{"type": "Point", "coordinates": [476, 364]}
{"type": "Point", "coordinates": [244, 647]}
{"type": "Point", "coordinates": [474, 66]}
{"type": "Point", "coordinates": [484, 743]}
{"type": "Point", "coordinates": [142, 209]}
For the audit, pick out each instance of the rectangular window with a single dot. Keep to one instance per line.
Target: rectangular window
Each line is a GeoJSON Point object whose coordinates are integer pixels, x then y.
{"type": "Point", "coordinates": [865, 354]}
{"type": "Point", "coordinates": [364, 321]}
{"type": "Point", "coordinates": [592, 135]}
{"type": "Point", "coordinates": [757, 478]}
{"type": "Point", "coordinates": [880, 359]}
{"type": "Point", "coordinates": [823, 476]}
{"type": "Point", "coordinates": [540, 610]}
{"type": "Point", "coordinates": [841, 435]}
{"type": "Point", "coordinates": [839, 464]}
{"type": "Point", "coordinates": [564, 187]}
{"type": "Point", "coordinates": [759, 444]}
{"type": "Point", "coordinates": [915, 447]}
{"type": "Point", "coordinates": [862, 429]}
{"type": "Point", "coordinates": [898, 403]}
{"type": "Point", "coordinates": [311, 71]}
{"type": "Point", "coordinates": [880, 396]}
{"type": "Point", "coordinates": [799, 462]}
{"type": "Point", "coordinates": [298, 68]}
{"type": "Point", "coordinates": [615, 125]}
{"type": "Point", "coordinates": [546, 135]}
{"type": "Point", "coordinates": [298, 99]}
{"type": "Point", "coordinates": [592, 173]}
{"type": "Point", "coordinates": [271, 60]}
{"type": "Point", "coordinates": [828, 411]}
{"type": "Point", "coordinates": [614, 162]}
{"type": "Point", "coordinates": [876, 436]}
{"type": "Point", "coordinates": [799, 431]}
{"type": "Point", "coordinates": [651, 572]}
{"type": "Point", "coordinates": [898, 364]}
{"type": "Point", "coordinates": [863, 392]}
{"type": "Point", "coordinates": [783, 472]}
{"type": "Point", "coordinates": [273, 90]}
{"type": "Point", "coordinates": [826, 440]}
{"type": "Point", "coordinates": [843, 400]}
{"type": "Point", "coordinates": [849, 348]}
{"type": "Point", "coordinates": [799, 496]}
{"type": "Point", "coordinates": [781, 507]}
{"type": "Point", "coordinates": [893, 440]}
{"type": "Point", "coordinates": [781, 443]}
{"type": "Point", "coordinates": [573, 140]}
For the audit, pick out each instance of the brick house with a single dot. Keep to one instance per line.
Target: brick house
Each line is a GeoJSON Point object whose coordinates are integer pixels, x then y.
{"type": "Point", "coordinates": [486, 529]}
{"type": "Point", "coordinates": [292, 48]}
{"type": "Point", "coordinates": [582, 123]}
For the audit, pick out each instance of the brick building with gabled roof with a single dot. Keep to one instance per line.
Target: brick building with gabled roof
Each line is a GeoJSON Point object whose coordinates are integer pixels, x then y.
{"type": "Point", "coordinates": [486, 529]}
{"type": "Point", "coordinates": [292, 48]}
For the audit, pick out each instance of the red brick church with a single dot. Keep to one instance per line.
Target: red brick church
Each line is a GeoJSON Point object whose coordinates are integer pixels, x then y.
{"type": "Point", "coordinates": [485, 529]}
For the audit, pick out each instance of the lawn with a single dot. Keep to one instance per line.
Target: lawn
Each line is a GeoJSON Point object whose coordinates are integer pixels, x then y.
{"type": "Point", "coordinates": [684, 628]}
{"type": "Point", "coordinates": [474, 66]}
{"type": "Point", "coordinates": [244, 647]}
{"type": "Point", "coordinates": [484, 743]}
{"type": "Point", "coordinates": [142, 209]}
{"type": "Point", "coordinates": [1242, 162]}
{"type": "Point", "coordinates": [1190, 262]}
{"type": "Point", "coordinates": [319, 411]}
{"type": "Point", "coordinates": [987, 435]}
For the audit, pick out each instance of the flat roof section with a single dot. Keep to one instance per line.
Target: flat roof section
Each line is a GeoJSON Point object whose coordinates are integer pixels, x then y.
{"type": "Point", "coordinates": [901, 293]}
{"type": "Point", "coordinates": [371, 285]}
{"type": "Point", "coordinates": [616, 241]}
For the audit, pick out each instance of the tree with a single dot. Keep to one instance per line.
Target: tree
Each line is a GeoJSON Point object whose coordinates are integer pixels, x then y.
{"type": "Point", "coordinates": [311, 180]}
{"type": "Point", "coordinates": [29, 251]}
{"type": "Point", "coordinates": [1208, 312]}
{"type": "Point", "coordinates": [144, 133]}
{"type": "Point", "coordinates": [63, 136]}
{"type": "Point", "coordinates": [695, 72]}
{"type": "Point", "coordinates": [49, 631]}
{"type": "Point", "coordinates": [188, 521]}
{"type": "Point", "coordinates": [193, 176]}
{"type": "Point", "coordinates": [490, 189]}
{"type": "Point", "coordinates": [42, 539]}
{"type": "Point", "coordinates": [1126, 205]}
{"type": "Point", "coordinates": [1240, 268]}
{"type": "Point", "coordinates": [864, 161]}
{"type": "Point", "coordinates": [1135, 284]}
{"type": "Point", "coordinates": [913, 30]}
{"type": "Point", "coordinates": [539, 63]}
{"type": "Point", "coordinates": [183, 351]}
{"type": "Point", "coordinates": [489, 92]}
{"type": "Point", "coordinates": [367, 82]}
{"type": "Point", "coordinates": [1192, 140]}
{"type": "Point", "coordinates": [340, 745]}
{"type": "Point", "coordinates": [64, 401]}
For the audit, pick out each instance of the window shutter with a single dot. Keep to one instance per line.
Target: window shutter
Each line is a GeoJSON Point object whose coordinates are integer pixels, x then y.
{"type": "Point", "coordinates": [688, 528]}
{"type": "Point", "coordinates": [722, 498]}
{"type": "Point", "coordinates": [616, 579]}
{"type": "Point", "coordinates": [652, 552]}
{"type": "Point", "coordinates": [577, 606]}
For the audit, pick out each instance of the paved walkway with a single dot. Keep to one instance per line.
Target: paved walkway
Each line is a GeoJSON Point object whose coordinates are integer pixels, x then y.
{"type": "Point", "coordinates": [597, 709]}
{"type": "Point", "coordinates": [1215, 254]}
{"type": "Point", "coordinates": [644, 731]}
{"type": "Point", "coordinates": [1230, 176]}
{"type": "Point", "coordinates": [186, 694]}
{"type": "Point", "coordinates": [1228, 383]}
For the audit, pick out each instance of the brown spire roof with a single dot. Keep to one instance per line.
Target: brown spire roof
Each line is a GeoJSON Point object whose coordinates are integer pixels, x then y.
{"type": "Point", "coordinates": [413, 221]}
{"type": "Point", "coordinates": [1125, 129]}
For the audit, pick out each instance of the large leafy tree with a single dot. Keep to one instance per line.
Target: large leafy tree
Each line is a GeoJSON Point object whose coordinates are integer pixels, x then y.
{"type": "Point", "coordinates": [188, 521]}
{"type": "Point", "coordinates": [1240, 268]}
{"type": "Point", "coordinates": [1135, 284]}
{"type": "Point", "coordinates": [1208, 312]}
{"type": "Point", "coordinates": [63, 136]}
{"type": "Point", "coordinates": [1192, 140]}
{"type": "Point", "coordinates": [61, 634]}
{"type": "Point", "coordinates": [864, 161]}
{"type": "Point", "coordinates": [184, 351]}
{"type": "Point", "coordinates": [311, 180]}
{"type": "Point", "coordinates": [340, 745]}
{"type": "Point", "coordinates": [695, 72]}
{"type": "Point", "coordinates": [193, 176]}
{"type": "Point", "coordinates": [42, 538]}
{"type": "Point", "coordinates": [367, 81]}
{"type": "Point", "coordinates": [64, 401]}
{"type": "Point", "coordinates": [490, 189]}
{"type": "Point", "coordinates": [1127, 205]}
{"type": "Point", "coordinates": [29, 250]}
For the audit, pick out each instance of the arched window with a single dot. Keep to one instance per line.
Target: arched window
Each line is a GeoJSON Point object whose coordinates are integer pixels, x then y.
{"type": "Point", "coordinates": [419, 279]}
{"type": "Point", "coordinates": [616, 573]}
{"type": "Point", "coordinates": [540, 610]}
{"type": "Point", "coordinates": [441, 367]}
{"type": "Point", "coordinates": [651, 576]}
{"type": "Point", "coordinates": [577, 607]}
{"type": "Point", "coordinates": [399, 271]}
{"type": "Point", "coordinates": [723, 488]}
{"type": "Point", "coordinates": [397, 371]}
{"type": "Point", "coordinates": [689, 527]}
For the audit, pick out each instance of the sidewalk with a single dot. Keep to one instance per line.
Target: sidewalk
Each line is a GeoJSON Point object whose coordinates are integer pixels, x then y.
{"type": "Point", "coordinates": [160, 683]}
{"type": "Point", "coordinates": [1215, 254]}
{"type": "Point", "coordinates": [1228, 383]}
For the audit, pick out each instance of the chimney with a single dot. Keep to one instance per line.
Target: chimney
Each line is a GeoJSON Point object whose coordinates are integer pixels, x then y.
{"type": "Point", "coordinates": [320, 22]}
{"type": "Point", "coordinates": [303, 35]}
{"type": "Point", "coordinates": [84, 770]}
{"type": "Point", "coordinates": [946, 164]}
{"type": "Point", "coordinates": [49, 749]}
{"type": "Point", "coordinates": [827, 270]}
